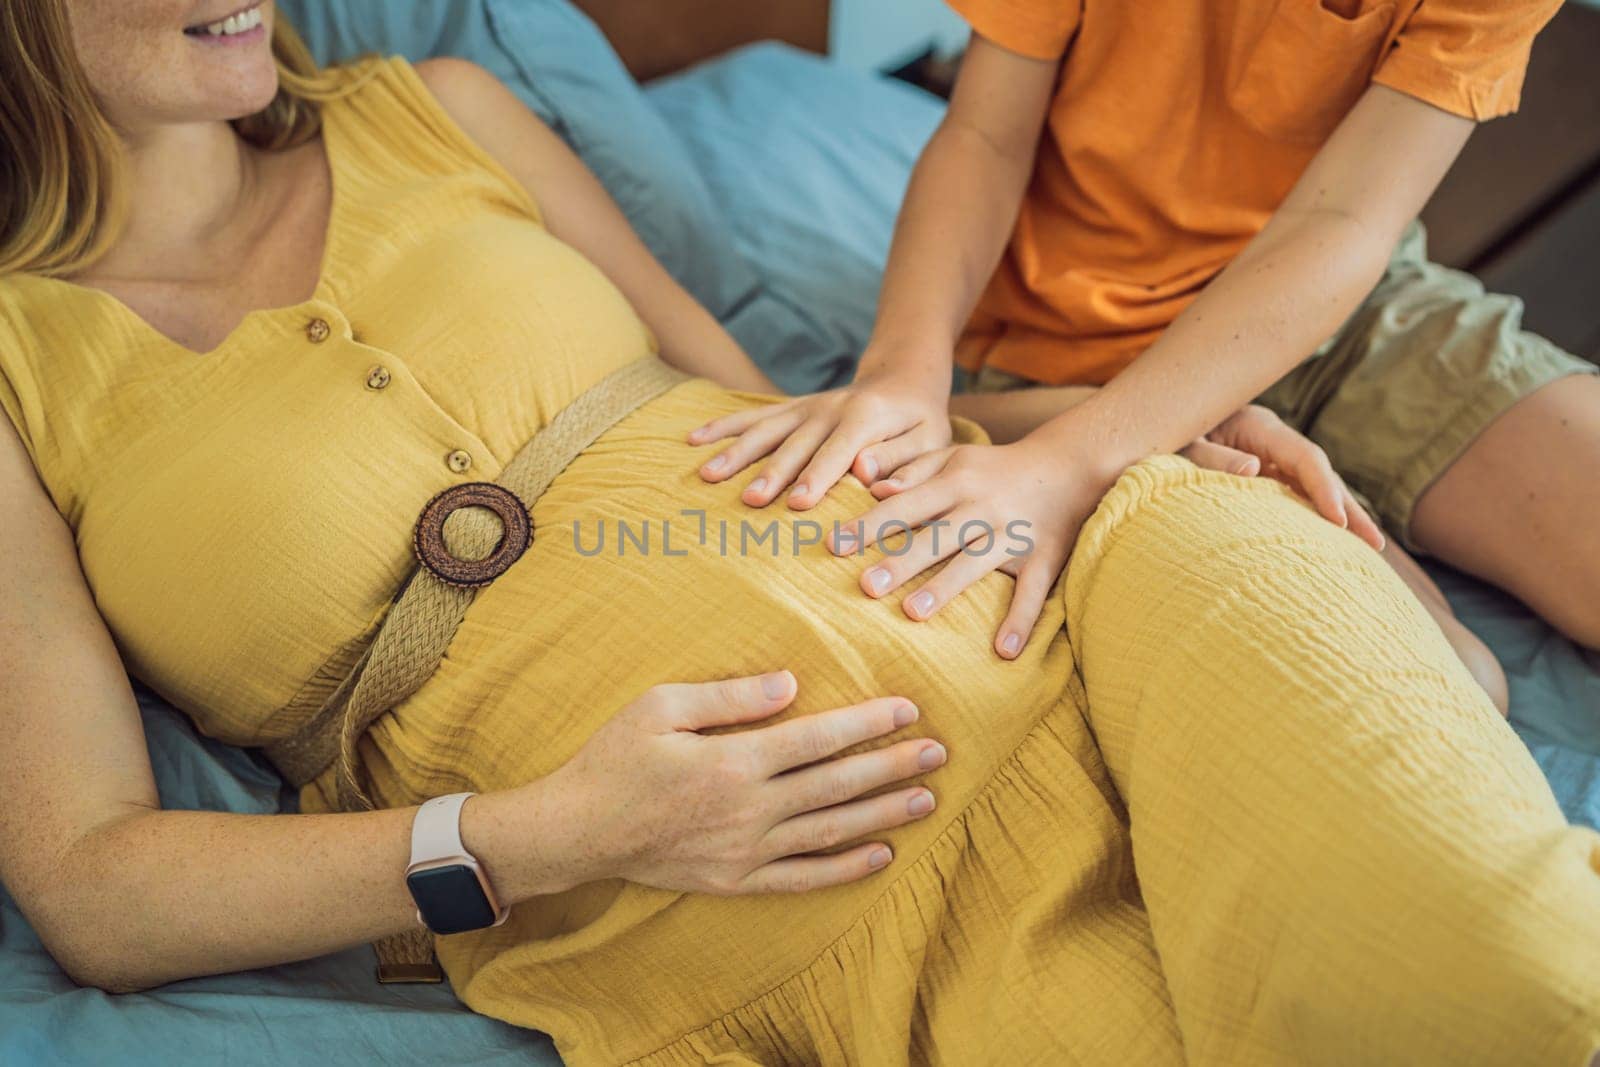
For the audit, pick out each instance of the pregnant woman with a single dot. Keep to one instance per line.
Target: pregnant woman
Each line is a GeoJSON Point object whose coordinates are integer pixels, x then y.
{"type": "Point", "coordinates": [1240, 803]}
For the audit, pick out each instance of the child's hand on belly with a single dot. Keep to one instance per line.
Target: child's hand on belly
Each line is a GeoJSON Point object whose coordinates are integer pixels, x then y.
{"type": "Point", "coordinates": [872, 427]}
{"type": "Point", "coordinates": [1018, 508]}
{"type": "Point", "coordinates": [1015, 508]}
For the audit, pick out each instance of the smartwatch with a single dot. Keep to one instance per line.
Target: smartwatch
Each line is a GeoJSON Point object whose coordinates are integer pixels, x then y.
{"type": "Point", "coordinates": [450, 886]}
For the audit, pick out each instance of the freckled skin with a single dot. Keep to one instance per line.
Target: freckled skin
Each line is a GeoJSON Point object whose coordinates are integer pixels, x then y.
{"type": "Point", "coordinates": [140, 62]}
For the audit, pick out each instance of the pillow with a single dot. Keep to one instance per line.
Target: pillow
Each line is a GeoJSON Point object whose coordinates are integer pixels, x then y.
{"type": "Point", "coordinates": [808, 161]}
{"type": "Point", "coordinates": [559, 63]}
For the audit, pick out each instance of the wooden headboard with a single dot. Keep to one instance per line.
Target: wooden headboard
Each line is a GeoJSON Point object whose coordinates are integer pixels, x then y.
{"type": "Point", "coordinates": [656, 37]}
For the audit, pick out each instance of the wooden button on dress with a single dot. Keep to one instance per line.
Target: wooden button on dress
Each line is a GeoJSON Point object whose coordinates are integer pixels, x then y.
{"type": "Point", "coordinates": [459, 461]}
{"type": "Point", "coordinates": [318, 331]}
{"type": "Point", "coordinates": [377, 377]}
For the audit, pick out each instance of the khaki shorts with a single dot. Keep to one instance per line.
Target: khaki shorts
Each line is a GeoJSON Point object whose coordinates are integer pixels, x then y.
{"type": "Point", "coordinates": [1406, 384]}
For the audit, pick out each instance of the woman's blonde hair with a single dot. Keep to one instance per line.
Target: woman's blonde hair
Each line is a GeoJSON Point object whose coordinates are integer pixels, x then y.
{"type": "Point", "coordinates": [60, 201]}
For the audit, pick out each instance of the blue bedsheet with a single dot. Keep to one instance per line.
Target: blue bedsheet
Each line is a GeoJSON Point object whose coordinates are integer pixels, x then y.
{"type": "Point", "coordinates": [809, 161]}
{"type": "Point", "coordinates": [1555, 689]}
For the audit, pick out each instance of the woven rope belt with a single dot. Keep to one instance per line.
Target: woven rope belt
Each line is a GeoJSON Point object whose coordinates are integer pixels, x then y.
{"type": "Point", "coordinates": [433, 600]}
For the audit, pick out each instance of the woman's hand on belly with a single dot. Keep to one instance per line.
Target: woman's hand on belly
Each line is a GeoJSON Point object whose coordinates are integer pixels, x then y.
{"type": "Point", "coordinates": [653, 799]}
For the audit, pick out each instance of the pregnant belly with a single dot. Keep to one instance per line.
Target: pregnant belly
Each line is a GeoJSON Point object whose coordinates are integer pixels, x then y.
{"type": "Point", "coordinates": [590, 618]}
{"type": "Point", "coordinates": [642, 573]}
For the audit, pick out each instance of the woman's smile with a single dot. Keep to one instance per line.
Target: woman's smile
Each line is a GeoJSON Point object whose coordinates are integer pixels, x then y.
{"type": "Point", "coordinates": [246, 26]}
{"type": "Point", "coordinates": [154, 64]}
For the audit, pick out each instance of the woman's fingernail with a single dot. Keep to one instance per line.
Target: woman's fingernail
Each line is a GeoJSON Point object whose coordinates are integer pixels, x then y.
{"type": "Point", "coordinates": [920, 804]}
{"type": "Point", "coordinates": [800, 490]}
{"type": "Point", "coordinates": [757, 486]}
{"type": "Point", "coordinates": [878, 579]}
{"type": "Point", "coordinates": [844, 543]}
{"type": "Point", "coordinates": [905, 714]}
{"type": "Point", "coordinates": [870, 466]}
{"type": "Point", "coordinates": [922, 603]}
{"type": "Point", "coordinates": [774, 686]}
{"type": "Point", "coordinates": [880, 857]}
{"type": "Point", "coordinates": [716, 463]}
{"type": "Point", "coordinates": [931, 757]}
{"type": "Point", "coordinates": [1012, 644]}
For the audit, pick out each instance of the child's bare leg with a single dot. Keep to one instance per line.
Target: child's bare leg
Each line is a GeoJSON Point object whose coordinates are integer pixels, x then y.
{"type": "Point", "coordinates": [1473, 652]}
{"type": "Point", "coordinates": [1521, 507]}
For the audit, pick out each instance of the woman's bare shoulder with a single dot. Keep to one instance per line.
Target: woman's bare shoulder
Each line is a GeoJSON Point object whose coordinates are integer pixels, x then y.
{"type": "Point", "coordinates": [496, 123]}
{"type": "Point", "coordinates": [481, 105]}
{"type": "Point", "coordinates": [459, 83]}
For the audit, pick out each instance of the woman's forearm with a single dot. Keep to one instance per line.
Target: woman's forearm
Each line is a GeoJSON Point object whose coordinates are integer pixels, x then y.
{"type": "Point", "coordinates": [695, 342]}
{"type": "Point", "coordinates": [161, 895]}
{"type": "Point", "coordinates": [131, 896]}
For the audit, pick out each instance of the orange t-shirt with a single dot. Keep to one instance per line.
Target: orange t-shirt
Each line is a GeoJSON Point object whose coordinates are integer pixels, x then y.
{"type": "Point", "coordinates": [1178, 128]}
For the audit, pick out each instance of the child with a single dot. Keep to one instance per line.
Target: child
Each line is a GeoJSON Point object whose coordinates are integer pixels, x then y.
{"type": "Point", "coordinates": [1196, 197]}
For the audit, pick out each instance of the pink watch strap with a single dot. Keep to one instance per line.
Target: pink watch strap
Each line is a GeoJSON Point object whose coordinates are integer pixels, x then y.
{"type": "Point", "coordinates": [436, 839]}
{"type": "Point", "coordinates": [436, 829]}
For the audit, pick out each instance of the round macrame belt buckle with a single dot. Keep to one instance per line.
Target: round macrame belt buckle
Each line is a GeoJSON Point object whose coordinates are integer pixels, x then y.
{"type": "Point", "coordinates": [428, 539]}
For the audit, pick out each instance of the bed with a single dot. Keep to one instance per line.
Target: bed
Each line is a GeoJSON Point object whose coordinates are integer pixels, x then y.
{"type": "Point", "coordinates": [766, 178]}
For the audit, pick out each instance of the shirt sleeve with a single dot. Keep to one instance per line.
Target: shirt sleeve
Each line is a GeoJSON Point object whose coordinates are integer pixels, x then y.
{"type": "Point", "coordinates": [11, 403]}
{"type": "Point", "coordinates": [1038, 29]}
{"type": "Point", "coordinates": [1466, 56]}
{"type": "Point", "coordinates": [12, 410]}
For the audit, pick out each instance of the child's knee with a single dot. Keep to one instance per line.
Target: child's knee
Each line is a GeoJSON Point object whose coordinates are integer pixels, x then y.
{"type": "Point", "coordinates": [1480, 661]}
{"type": "Point", "coordinates": [1476, 656]}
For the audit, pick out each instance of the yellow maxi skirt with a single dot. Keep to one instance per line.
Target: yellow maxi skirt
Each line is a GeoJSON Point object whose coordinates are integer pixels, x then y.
{"type": "Point", "coordinates": [1238, 802]}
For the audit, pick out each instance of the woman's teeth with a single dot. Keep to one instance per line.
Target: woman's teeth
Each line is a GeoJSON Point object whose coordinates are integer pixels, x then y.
{"type": "Point", "coordinates": [233, 24]}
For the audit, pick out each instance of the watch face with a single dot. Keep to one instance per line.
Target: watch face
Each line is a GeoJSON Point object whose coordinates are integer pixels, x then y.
{"type": "Point", "coordinates": [450, 899]}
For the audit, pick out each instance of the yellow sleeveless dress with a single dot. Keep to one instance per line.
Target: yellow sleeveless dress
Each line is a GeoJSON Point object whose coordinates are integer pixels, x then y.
{"type": "Point", "coordinates": [1255, 812]}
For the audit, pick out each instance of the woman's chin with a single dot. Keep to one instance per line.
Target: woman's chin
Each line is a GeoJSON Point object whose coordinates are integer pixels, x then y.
{"type": "Point", "coordinates": [242, 94]}
{"type": "Point", "coordinates": [232, 80]}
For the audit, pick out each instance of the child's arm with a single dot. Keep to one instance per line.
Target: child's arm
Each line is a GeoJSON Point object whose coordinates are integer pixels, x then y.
{"type": "Point", "coordinates": [959, 210]}
{"type": "Point", "coordinates": [1289, 289]}
{"type": "Point", "coordinates": [958, 214]}
{"type": "Point", "coordinates": [1251, 441]}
